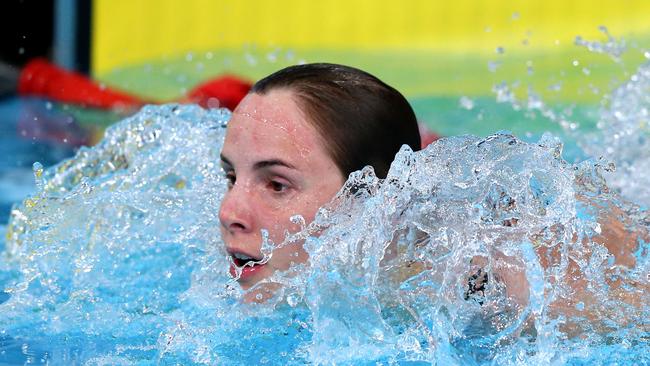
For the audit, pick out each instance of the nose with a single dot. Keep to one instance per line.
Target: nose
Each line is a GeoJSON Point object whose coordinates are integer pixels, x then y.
{"type": "Point", "coordinates": [235, 211]}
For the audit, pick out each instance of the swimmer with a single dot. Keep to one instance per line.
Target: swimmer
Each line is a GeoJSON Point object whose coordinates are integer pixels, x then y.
{"type": "Point", "coordinates": [293, 141]}
{"type": "Point", "coordinates": [289, 147]}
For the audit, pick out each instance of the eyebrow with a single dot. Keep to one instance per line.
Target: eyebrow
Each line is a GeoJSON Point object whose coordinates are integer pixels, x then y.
{"type": "Point", "coordinates": [262, 164]}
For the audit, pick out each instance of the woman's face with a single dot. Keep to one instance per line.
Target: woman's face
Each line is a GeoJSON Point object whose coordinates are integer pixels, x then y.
{"type": "Point", "coordinates": [277, 167]}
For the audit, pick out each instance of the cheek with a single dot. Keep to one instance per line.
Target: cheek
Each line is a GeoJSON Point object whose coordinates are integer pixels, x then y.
{"type": "Point", "coordinates": [323, 195]}
{"type": "Point", "coordinates": [276, 218]}
{"type": "Point", "coordinates": [307, 206]}
{"type": "Point", "coordinates": [289, 255]}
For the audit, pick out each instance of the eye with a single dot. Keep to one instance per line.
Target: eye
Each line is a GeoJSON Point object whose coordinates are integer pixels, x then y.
{"type": "Point", "coordinates": [278, 186]}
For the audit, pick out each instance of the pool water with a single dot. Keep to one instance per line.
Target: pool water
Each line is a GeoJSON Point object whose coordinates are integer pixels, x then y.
{"type": "Point", "coordinates": [115, 257]}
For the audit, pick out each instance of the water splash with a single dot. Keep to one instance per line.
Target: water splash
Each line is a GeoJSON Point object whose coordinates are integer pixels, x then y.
{"type": "Point", "coordinates": [613, 47]}
{"type": "Point", "coordinates": [475, 250]}
{"type": "Point", "coordinates": [623, 136]}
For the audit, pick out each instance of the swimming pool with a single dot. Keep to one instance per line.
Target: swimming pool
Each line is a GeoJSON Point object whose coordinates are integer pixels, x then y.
{"type": "Point", "coordinates": [116, 257]}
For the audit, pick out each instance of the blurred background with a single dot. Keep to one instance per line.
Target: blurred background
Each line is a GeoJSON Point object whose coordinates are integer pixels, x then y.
{"type": "Point", "coordinates": [70, 68]}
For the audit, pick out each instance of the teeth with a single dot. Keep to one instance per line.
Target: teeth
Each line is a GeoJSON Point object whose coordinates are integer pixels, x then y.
{"type": "Point", "coordinates": [242, 257]}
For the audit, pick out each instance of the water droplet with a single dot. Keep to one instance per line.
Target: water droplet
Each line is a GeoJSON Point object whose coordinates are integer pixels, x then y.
{"type": "Point", "coordinates": [38, 175]}
{"type": "Point", "coordinates": [250, 59]}
{"type": "Point", "coordinates": [293, 299]}
{"type": "Point", "coordinates": [272, 56]}
{"type": "Point", "coordinates": [555, 87]}
{"type": "Point", "coordinates": [500, 50]}
{"type": "Point", "coordinates": [575, 63]}
{"type": "Point", "coordinates": [466, 103]}
{"type": "Point", "coordinates": [493, 65]}
{"type": "Point", "coordinates": [298, 220]}
{"type": "Point", "coordinates": [213, 102]}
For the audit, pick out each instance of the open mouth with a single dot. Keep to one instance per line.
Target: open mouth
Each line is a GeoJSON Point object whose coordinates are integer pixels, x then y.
{"type": "Point", "coordinates": [244, 267]}
{"type": "Point", "coordinates": [242, 260]}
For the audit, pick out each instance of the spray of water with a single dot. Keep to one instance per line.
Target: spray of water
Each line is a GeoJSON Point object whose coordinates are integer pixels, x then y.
{"type": "Point", "coordinates": [623, 129]}
{"type": "Point", "coordinates": [623, 136]}
{"type": "Point", "coordinates": [474, 250]}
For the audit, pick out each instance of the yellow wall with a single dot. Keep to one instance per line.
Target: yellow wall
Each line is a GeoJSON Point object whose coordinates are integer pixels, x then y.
{"type": "Point", "coordinates": [128, 32]}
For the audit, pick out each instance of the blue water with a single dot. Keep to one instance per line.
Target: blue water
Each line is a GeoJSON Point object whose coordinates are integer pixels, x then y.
{"type": "Point", "coordinates": [117, 259]}
{"type": "Point", "coordinates": [115, 255]}
{"type": "Point", "coordinates": [31, 130]}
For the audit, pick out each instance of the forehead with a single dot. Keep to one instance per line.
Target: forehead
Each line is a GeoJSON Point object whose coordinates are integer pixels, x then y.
{"type": "Point", "coordinates": [271, 124]}
{"type": "Point", "coordinates": [276, 106]}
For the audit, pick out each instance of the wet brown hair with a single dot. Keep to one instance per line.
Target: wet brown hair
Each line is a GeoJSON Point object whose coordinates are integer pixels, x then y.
{"type": "Point", "coordinates": [362, 120]}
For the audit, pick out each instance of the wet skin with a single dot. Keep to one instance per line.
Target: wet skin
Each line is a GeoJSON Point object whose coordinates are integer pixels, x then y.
{"type": "Point", "coordinates": [277, 166]}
